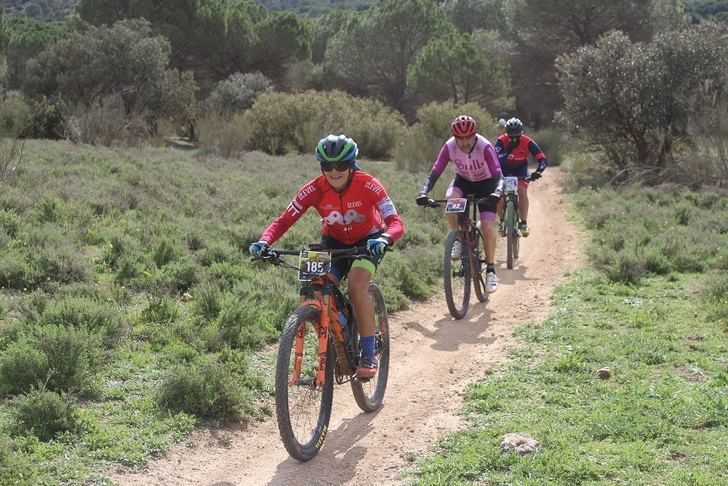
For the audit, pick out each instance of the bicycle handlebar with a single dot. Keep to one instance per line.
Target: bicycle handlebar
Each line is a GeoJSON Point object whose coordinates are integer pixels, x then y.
{"type": "Point", "coordinates": [273, 254]}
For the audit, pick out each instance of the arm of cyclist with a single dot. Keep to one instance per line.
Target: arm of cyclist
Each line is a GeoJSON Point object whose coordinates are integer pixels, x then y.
{"type": "Point", "coordinates": [438, 167]}
{"type": "Point", "coordinates": [395, 226]}
{"type": "Point", "coordinates": [540, 158]}
{"type": "Point", "coordinates": [306, 197]}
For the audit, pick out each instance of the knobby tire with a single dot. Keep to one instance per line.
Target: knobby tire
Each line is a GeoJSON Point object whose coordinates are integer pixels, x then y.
{"type": "Point", "coordinates": [369, 394]}
{"type": "Point", "coordinates": [303, 436]}
{"type": "Point", "coordinates": [457, 305]}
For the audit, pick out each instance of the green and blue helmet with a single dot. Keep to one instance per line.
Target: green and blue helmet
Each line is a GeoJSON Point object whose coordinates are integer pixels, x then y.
{"type": "Point", "coordinates": [337, 150]}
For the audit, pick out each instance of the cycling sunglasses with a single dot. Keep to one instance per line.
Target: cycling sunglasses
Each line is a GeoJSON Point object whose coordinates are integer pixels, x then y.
{"type": "Point", "coordinates": [329, 166]}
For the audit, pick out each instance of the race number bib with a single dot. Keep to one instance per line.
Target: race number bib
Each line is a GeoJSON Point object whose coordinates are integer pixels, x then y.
{"type": "Point", "coordinates": [456, 205]}
{"type": "Point", "coordinates": [312, 264]}
{"type": "Point", "coordinates": [511, 184]}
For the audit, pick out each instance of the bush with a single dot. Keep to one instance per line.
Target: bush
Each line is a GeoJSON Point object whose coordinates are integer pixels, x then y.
{"type": "Point", "coordinates": [14, 116]}
{"type": "Point", "coordinates": [166, 251]}
{"type": "Point", "coordinates": [282, 123]}
{"type": "Point", "coordinates": [9, 222]}
{"type": "Point", "coordinates": [552, 142]}
{"type": "Point", "coordinates": [421, 145]}
{"type": "Point", "coordinates": [237, 93]}
{"type": "Point", "coordinates": [160, 311]}
{"type": "Point", "coordinates": [209, 391]}
{"type": "Point", "coordinates": [208, 301]}
{"type": "Point", "coordinates": [227, 138]}
{"type": "Point", "coordinates": [16, 273]}
{"type": "Point", "coordinates": [72, 354]}
{"type": "Point", "coordinates": [95, 317]}
{"type": "Point", "coordinates": [45, 415]}
{"type": "Point", "coordinates": [22, 367]}
{"type": "Point", "coordinates": [103, 122]}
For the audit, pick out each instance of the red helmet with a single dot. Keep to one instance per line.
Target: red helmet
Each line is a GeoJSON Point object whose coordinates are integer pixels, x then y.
{"type": "Point", "coordinates": [464, 126]}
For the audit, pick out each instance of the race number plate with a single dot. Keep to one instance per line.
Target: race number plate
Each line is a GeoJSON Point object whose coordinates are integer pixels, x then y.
{"type": "Point", "coordinates": [511, 184]}
{"type": "Point", "coordinates": [456, 205]}
{"type": "Point", "coordinates": [312, 264]}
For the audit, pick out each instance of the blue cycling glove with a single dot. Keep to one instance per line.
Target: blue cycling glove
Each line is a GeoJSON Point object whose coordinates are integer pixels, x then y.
{"type": "Point", "coordinates": [378, 246]}
{"type": "Point", "coordinates": [257, 248]}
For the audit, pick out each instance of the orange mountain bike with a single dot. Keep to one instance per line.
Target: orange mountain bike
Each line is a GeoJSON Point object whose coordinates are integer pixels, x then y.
{"type": "Point", "coordinates": [320, 346]}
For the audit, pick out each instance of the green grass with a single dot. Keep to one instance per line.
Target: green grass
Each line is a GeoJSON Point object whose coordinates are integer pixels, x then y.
{"type": "Point", "coordinates": [662, 418]}
{"type": "Point", "coordinates": [135, 263]}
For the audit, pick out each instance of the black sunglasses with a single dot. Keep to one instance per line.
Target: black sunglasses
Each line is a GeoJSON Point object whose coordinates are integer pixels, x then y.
{"type": "Point", "coordinates": [329, 166]}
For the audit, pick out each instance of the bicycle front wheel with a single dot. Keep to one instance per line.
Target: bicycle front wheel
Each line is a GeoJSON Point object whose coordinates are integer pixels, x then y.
{"type": "Point", "coordinates": [511, 235]}
{"type": "Point", "coordinates": [476, 268]}
{"type": "Point", "coordinates": [456, 276]}
{"type": "Point", "coordinates": [370, 393]}
{"type": "Point", "coordinates": [303, 409]}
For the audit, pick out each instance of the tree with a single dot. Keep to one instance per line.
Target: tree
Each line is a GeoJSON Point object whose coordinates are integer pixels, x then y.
{"type": "Point", "coordinates": [471, 15]}
{"type": "Point", "coordinates": [123, 60]}
{"type": "Point", "coordinates": [634, 100]}
{"type": "Point", "coordinates": [285, 39]}
{"type": "Point", "coordinates": [27, 39]}
{"type": "Point", "coordinates": [372, 53]}
{"type": "Point", "coordinates": [450, 67]}
{"type": "Point", "coordinates": [543, 29]}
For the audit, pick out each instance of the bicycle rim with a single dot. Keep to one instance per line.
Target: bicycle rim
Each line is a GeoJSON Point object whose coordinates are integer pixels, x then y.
{"type": "Point", "coordinates": [510, 233]}
{"type": "Point", "coordinates": [456, 277]}
{"type": "Point", "coordinates": [476, 269]}
{"type": "Point", "coordinates": [303, 410]}
{"type": "Point", "coordinates": [370, 393]}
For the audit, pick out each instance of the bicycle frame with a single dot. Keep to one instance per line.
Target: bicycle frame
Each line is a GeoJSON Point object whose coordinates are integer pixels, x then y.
{"type": "Point", "coordinates": [318, 293]}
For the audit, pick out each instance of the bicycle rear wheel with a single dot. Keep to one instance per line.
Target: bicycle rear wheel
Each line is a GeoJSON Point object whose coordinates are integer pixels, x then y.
{"type": "Point", "coordinates": [370, 393]}
{"type": "Point", "coordinates": [303, 410]}
{"type": "Point", "coordinates": [511, 235]}
{"type": "Point", "coordinates": [456, 276]}
{"type": "Point", "coordinates": [476, 268]}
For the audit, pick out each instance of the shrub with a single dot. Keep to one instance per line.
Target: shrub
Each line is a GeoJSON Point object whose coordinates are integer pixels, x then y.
{"type": "Point", "coordinates": [63, 265]}
{"type": "Point", "coordinates": [16, 273]}
{"type": "Point", "coordinates": [166, 251]}
{"type": "Point", "coordinates": [45, 415]}
{"type": "Point", "coordinates": [50, 209]}
{"type": "Point", "coordinates": [14, 115]}
{"type": "Point", "coordinates": [22, 367]}
{"type": "Point", "coordinates": [178, 276]}
{"type": "Point", "coordinates": [103, 122]}
{"type": "Point", "coordinates": [9, 222]}
{"type": "Point", "coordinates": [282, 122]}
{"type": "Point", "coordinates": [96, 317]}
{"type": "Point", "coordinates": [207, 303]}
{"type": "Point", "coordinates": [552, 141]}
{"type": "Point", "coordinates": [72, 357]}
{"type": "Point", "coordinates": [209, 391]}
{"type": "Point", "coordinates": [237, 93]}
{"type": "Point", "coordinates": [227, 138]}
{"type": "Point", "coordinates": [420, 146]}
{"type": "Point", "coordinates": [160, 311]}
{"type": "Point", "coordinates": [237, 325]}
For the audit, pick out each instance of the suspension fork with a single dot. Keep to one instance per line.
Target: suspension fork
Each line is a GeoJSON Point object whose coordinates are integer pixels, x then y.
{"type": "Point", "coordinates": [323, 332]}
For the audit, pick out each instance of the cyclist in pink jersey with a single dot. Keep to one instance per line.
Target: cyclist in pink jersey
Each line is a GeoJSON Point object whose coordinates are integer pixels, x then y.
{"type": "Point", "coordinates": [355, 211]}
{"type": "Point", "coordinates": [478, 172]}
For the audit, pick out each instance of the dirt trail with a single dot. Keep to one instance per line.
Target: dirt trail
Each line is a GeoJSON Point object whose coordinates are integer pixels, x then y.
{"type": "Point", "coordinates": [434, 358]}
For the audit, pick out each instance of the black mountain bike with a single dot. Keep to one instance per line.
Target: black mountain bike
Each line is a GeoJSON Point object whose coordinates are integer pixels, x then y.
{"type": "Point", "coordinates": [320, 346]}
{"type": "Point", "coordinates": [458, 275]}
{"type": "Point", "coordinates": [509, 219]}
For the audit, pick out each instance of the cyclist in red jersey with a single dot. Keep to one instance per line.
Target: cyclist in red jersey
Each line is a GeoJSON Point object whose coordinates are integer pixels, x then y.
{"type": "Point", "coordinates": [355, 211]}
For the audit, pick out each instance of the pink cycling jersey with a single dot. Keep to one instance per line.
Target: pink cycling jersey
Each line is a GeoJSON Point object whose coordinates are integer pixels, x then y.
{"type": "Point", "coordinates": [480, 164]}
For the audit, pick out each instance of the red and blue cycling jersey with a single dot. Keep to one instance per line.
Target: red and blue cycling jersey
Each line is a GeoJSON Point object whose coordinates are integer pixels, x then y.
{"type": "Point", "coordinates": [362, 209]}
{"type": "Point", "coordinates": [513, 157]}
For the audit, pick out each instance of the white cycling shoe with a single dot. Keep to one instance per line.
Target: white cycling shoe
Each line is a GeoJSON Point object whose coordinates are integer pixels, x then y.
{"type": "Point", "coordinates": [456, 250]}
{"type": "Point", "coordinates": [491, 282]}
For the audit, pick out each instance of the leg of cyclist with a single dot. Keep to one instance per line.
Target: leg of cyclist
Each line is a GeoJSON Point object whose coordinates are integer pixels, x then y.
{"type": "Point", "coordinates": [523, 207]}
{"type": "Point", "coordinates": [359, 279]}
{"type": "Point", "coordinates": [452, 218]}
{"type": "Point", "coordinates": [487, 226]}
